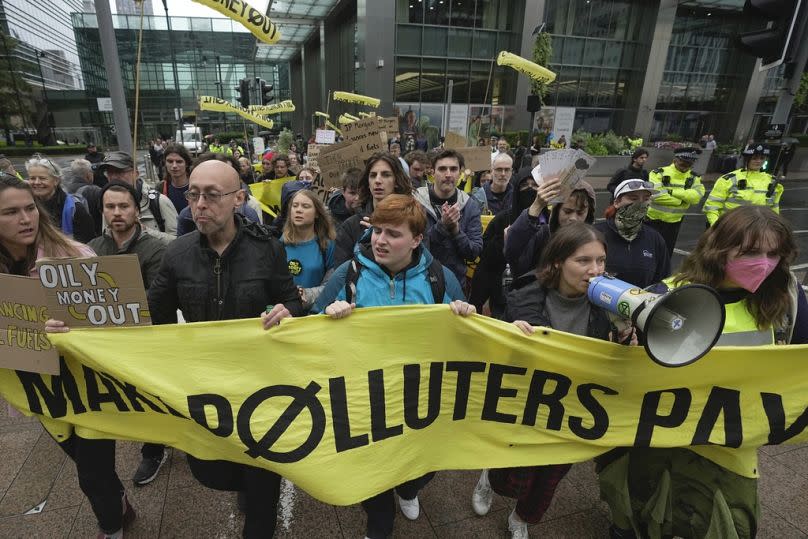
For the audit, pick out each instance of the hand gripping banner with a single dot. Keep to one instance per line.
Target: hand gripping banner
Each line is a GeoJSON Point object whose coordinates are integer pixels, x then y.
{"type": "Point", "coordinates": [376, 399]}
{"type": "Point", "coordinates": [207, 102]}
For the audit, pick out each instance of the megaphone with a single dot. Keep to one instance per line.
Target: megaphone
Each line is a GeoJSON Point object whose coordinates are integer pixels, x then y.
{"type": "Point", "coordinates": [679, 326]}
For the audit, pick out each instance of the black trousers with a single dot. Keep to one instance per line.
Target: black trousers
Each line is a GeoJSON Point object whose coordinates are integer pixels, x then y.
{"type": "Point", "coordinates": [669, 232]}
{"type": "Point", "coordinates": [95, 464]}
{"type": "Point", "coordinates": [261, 490]}
{"type": "Point", "coordinates": [381, 508]}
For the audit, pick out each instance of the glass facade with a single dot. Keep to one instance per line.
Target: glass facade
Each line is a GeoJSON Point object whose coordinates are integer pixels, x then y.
{"type": "Point", "coordinates": [600, 53]}
{"type": "Point", "coordinates": [705, 77]}
{"type": "Point", "coordinates": [457, 40]}
{"type": "Point", "coordinates": [45, 32]}
{"type": "Point", "coordinates": [212, 55]}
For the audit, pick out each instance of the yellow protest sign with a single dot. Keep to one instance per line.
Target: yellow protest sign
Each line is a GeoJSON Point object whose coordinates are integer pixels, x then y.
{"type": "Point", "coordinates": [268, 194]}
{"type": "Point", "coordinates": [377, 399]}
{"type": "Point", "coordinates": [253, 20]}
{"type": "Point", "coordinates": [207, 102]}
{"type": "Point", "coordinates": [277, 108]}
{"type": "Point", "coordinates": [97, 291]}
{"type": "Point", "coordinates": [359, 99]}
{"type": "Point", "coordinates": [23, 312]}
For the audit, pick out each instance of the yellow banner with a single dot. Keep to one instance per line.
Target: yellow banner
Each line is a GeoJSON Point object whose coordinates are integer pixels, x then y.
{"type": "Point", "coordinates": [207, 102]}
{"type": "Point", "coordinates": [359, 99]}
{"type": "Point", "coordinates": [268, 194]}
{"type": "Point", "coordinates": [253, 20]}
{"type": "Point", "coordinates": [378, 398]}
{"type": "Point", "coordinates": [277, 108]}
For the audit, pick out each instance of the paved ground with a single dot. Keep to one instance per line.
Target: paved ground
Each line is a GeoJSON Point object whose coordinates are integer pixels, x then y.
{"type": "Point", "coordinates": [34, 470]}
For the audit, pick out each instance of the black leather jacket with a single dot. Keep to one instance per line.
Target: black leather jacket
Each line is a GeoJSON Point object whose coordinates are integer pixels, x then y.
{"type": "Point", "coordinates": [249, 275]}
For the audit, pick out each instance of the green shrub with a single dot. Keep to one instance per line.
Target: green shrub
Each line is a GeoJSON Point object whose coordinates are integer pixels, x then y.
{"type": "Point", "coordinates": [615, 145]}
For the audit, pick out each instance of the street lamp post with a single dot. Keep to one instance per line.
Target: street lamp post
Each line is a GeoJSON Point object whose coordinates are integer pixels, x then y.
{"type": "Point", "coordinates": [176, 78]}
{"type": "Point", "coordinates": [41, 54]}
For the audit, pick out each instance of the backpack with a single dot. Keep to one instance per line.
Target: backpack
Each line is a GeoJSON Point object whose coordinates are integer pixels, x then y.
{"type": "Point", "coordinates": [437, 280]}
{"type": "Point", "coordinates": [154, 206]}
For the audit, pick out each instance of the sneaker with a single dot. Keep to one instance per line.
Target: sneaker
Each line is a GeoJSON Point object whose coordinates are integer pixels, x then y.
{"type": "Point", "coordinates": [409, 508]}
{"type": "Point", "coordinates": [148, 469]}
{"type": "Point", "coordinates": [517, 526]}
{"type": "Point", "coordinates": [483, 495]}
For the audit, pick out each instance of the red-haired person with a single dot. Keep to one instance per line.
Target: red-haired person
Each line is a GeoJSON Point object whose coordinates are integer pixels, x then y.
{"type": "Point", "coordinates": [391, 267]}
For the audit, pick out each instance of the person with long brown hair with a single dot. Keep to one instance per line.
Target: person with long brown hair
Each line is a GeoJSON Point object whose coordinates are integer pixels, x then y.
{"type": "Point", "coordinates": [746, 257]}
{"type": "Point", "coordinates": [26, 235]}
{"type": "Point", "coordinates": [557, 299]}
{"type": "Point", "coordinates": [308, 236]}
{"type": "Point", "coordinates": [383, 176]}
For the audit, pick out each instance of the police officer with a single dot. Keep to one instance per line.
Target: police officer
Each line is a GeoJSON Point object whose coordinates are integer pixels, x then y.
{"type": "Point", "coordinates": [744, 187]}
{"type": "Point", "coordinates": [679, 188]}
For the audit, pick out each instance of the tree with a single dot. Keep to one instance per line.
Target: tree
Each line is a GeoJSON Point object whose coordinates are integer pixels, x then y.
{"type": "Point", "coordinates": [542, 54]}
{"type": "Point", "coordinates": [14, 90]}
{"type": "Point", "coordinates": [801, 97]}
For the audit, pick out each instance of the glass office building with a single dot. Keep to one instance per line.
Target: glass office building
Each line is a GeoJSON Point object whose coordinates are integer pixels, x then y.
{"type": "Point", "coordinates": [212, 56]}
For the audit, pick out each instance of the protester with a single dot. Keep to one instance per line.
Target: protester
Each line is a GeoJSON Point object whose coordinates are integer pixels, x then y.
{"type": "Point", "coordinates": [246, 173]}
{"type": "Point", "coordinates": [557, 299]}
{"type": "Point", "coordinates": [227, 269]}
{"type": "Point", "coordinates": [343, 203]}
{"type": "Point", "coordinates": [157, 212]}
{"type": "Point", "coordinates": [418, 163]}
{"type": "Point", "coordinates": [66, 211]}
{"type": "Point", "coordinates": [487, 282]}
{"type": "Point", "coordinates": [308, 237]}
{"type": "Point", "coordinates": [26, 235]}
{"type": "Point", "coordinates": [745, 186]}
{"type": "Point", "coordinates": [177, 166]}
{"type": "Point", "coordinates": [746, 257]}
{"type": "Point", "coordinates": [395, 151]}
{"type": "Point", "coordinates": [251, 210]}
{"type": "Point", "coordinates": [95, 158]}
{"type": "Point", "coordinates": [454, 232]}
{"type": "Point", "coordinates": [678, 189]}
{"type": "Point", "coordinates": [294, 162]}
{"type": "Point", "coordinates": [382, 176]}
{"type": "Point", "coordinates": [390, 267]}
{"type": "Point", "coordinates": [123, 236]}
{"type": "Point", "coordinates": [637, 253]}
{"type": "Point", "coordinates": [635, 169]}
{"type": "Point", "coordinates": [499, 191]}
{"type": "Point", "coordinates": [533, 228]}
{"type": "Point", "coordinates": [80, 183]}
{"type": "Point", "coordinates": [267, 172]}
{"type": "Point", "coordinates": [280, 168]}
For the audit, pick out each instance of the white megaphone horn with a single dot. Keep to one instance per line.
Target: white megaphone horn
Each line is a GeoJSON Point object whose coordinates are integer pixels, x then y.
{"type": "Point", "coordinates": [680, 326]}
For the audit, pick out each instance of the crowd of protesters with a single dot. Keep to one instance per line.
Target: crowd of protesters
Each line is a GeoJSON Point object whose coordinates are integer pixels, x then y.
{"type": "Point", "coordinates": [404, 230]}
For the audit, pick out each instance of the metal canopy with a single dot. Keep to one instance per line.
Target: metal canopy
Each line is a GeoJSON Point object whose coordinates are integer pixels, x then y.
{"type": "Point", "coordinates": [297, 20]}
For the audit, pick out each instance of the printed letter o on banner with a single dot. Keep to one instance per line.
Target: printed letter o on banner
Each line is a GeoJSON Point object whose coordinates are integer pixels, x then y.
{"type": "Point", "coordinates": [251, 18]}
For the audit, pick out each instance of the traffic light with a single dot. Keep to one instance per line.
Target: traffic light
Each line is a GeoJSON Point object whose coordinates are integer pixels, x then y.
{"type": "Point", "coordinates": [774, 43]}
{"type": "Point", "coordinates": [244, 92]}
{"type": "Point", "coordinates": [266, 92]}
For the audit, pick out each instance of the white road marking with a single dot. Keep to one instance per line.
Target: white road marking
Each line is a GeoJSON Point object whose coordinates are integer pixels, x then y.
{"type": "Point", "coordinates": [287, 503]}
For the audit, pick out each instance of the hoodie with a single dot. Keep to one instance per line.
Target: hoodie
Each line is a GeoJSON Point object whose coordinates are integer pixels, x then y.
{"type": "Point", "coordinates": [375, 287]}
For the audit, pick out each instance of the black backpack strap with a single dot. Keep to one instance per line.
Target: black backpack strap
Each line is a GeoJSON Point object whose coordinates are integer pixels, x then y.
{"type": "Point", "coordinates": [154, 206]}
{"type": "Point", "coordinates": [437, 280]}
{"type": "Point", "coordinates": [351, 277]}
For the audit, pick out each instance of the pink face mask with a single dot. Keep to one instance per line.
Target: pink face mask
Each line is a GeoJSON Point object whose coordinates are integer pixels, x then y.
{"type": "Point", "coordinates": [750, 272]}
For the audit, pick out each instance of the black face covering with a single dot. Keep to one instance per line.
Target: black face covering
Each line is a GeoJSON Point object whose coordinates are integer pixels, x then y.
{"type": "Point", "coordinates": [525, 198]}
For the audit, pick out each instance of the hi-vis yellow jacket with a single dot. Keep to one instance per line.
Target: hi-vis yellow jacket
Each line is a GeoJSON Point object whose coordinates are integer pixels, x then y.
{"type": "Point", "coordinates": [677, 192]}
{"type": "Point", "coordinates": [742, 188]}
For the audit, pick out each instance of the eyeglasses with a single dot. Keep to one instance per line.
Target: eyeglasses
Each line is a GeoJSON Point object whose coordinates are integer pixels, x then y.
{"type": "Point", "coordinates": [213, 198]}
{"type": "Point", "coordinates": [502, 170]}
{"type": "Point", "coordinates": [638, 184]}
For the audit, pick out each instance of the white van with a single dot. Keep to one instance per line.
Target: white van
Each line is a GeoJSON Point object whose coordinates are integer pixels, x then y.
{"type": "Point", "coordinates": [191, 138]}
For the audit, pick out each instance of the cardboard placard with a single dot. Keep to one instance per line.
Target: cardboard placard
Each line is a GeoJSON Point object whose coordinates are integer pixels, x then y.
{"type": "Point", "coordinates": [24, 345]}
{"type": "Point", "coordinates": [390, 125]}
{"type": "Point", "coordinates": [477, 158]}
{"type": "Point", "coordinates": [312, 154]}
{"type": "Point", "coordinates": [95, 292]}
{"type": "Point", "coordinates": [325, 136]}
{"type": "Point", "coordinates": [333, 164]}
{"type": "Point", "coordinates": [328, 148]}
{"type": "Point", "coordinates": [453, 141]}
{"type": "Point", "coordinates": [358, 129]}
